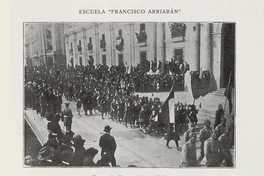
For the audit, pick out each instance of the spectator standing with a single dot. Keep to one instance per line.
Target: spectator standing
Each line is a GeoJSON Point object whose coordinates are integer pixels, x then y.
{"type": "Point", "coordinates": [67, 117]}
{"type": "Point", "coordinates": [212, 150]}
{"type": "Point", "coordinates": [205, 133]}
{"type": "Point", "coordinates": [189, 158]}
{"type": "Point", "coordinates": [218, 115]}
{"type": "Point", "coordinates": [108, 144]}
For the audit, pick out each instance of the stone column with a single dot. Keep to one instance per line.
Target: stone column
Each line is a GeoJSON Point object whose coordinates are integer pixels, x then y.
{"type": "Point", "coordinates": [131, 44]}
{"type": "Point", "coordinates": [160, 42]}
{"type": "Point", "coordinates": [193, 47]}
{"type": "Point", "coordinates": [163, 60]}
{"type": "Point", "coordinates": [84, 48]}
{"type": "Point", "coordinates": [67, 51]}
{"type": "Point", "coordinates": [192, 52]}
{"type": "Point", "coordinates": [217, 62]}
{"type": "Point", "coordinates": [96, 59]}
{"type": "Point", "coordinates": [75, 49]}
{"type": "Point", "coordinates": [112, 43]}
{"type": "Point", "coordinates": [132, 34]}
{"type": "Point", "coordinates": [205, 46]}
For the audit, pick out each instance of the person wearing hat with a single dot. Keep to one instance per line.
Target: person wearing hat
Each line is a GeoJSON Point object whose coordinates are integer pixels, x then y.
{"type": "Point", "coordinates": [89, 155]}
{"type": "Point", "coordinates": [67, 117]}
{"type": "Point", "coordinates": [186, 135]}
{"type": "Point", "coordinates": [48, 157]}
{"type": "Point", "coordinates": [189, 158]}
{"type": "Point", "coordinates": [108, 144]}
{"type": "Point", "coordinates": [54, 127]}
{"type": "Point", "coordinates": [66, 157]}
{"type": "Point", "coordinates": [212, 148]}
{"type": "Point", "coordinates": [78, 144]}
{"type": "Point", "coordinates": [65, 143]}
{"type": "Point", "coordinates": [218, 115]}
{"type": "Point", "coordinates": [205, 133]}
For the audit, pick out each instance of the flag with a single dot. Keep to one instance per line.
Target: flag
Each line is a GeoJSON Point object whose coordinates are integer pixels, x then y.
{"type": "Point", "coordinates": [200, 83]}
{"type": "Point", "coordinates": [169, 107]}
{"type": "Point", "coordinates": [228, 93]}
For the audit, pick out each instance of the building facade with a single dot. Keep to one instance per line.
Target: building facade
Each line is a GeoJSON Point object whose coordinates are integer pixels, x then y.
{"type": "Point", "coordinates": [44, 44]}
{"type": "Point", "coordinates": [206, 47]}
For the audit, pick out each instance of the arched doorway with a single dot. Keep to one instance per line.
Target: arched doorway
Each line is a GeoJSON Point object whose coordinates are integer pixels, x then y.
{"type": "Point", "coordinates": [228, 54]}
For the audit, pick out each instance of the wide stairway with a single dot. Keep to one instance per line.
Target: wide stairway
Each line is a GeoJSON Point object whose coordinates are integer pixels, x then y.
{"type": "Point", "coordinates": [221, 92]}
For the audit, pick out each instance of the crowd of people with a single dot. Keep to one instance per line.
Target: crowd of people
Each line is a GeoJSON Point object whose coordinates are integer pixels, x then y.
{"type": "Point", "coordinates": [215, 143]}
{"type": "Point", "coordinates": [67, 149]}
{"type": "Point", "coordinates": [111, 93]}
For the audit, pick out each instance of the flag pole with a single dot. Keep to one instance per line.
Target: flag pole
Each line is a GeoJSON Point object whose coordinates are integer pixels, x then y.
{"type": "Point", "coordinates": [228, 87]}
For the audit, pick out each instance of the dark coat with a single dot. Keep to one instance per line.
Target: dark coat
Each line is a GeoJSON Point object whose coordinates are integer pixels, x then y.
{"type": "Point", "coordinates": [67, 116]}
{"type": "Point", "coordinates": [107, 143]}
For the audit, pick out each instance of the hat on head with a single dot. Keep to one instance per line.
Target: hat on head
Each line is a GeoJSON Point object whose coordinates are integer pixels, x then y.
{"type": "Point", "coordinates": [57, 117]}
{"type": "Point", "coordinates": [45, 152]}
{"type": "Point", "coordinates": [78, 140]}
{"type": "Point", "coordinates": [206, 121]}
{"type": "Point", "coordinates": [91, 151]}
{"type": "Point", "coordinates": [107, 128]}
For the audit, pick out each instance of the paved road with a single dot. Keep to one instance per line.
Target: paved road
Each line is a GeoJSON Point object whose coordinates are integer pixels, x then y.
{"type": "Point", "coordinates": [133, 146]}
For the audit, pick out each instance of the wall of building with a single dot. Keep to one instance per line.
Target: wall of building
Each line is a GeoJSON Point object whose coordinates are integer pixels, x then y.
{"type": "Point", "coordinates": [36, 43]}
{"type": "Point", "coordinates": [201, 45]}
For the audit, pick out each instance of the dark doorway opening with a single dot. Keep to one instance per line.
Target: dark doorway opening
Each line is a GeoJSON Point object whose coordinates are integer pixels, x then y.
{"type": "Point", "coordinates": [49, 62]}
{"type": "Point", "coordinates": [228, 54]}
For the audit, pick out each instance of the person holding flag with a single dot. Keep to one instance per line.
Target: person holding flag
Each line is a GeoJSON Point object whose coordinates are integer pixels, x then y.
{"type": "Point", "coordinates": [173, 135]}
{"type": "Point", "coordinates": [169, 116]}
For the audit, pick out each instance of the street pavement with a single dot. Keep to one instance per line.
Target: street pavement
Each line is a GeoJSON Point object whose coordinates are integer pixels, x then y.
{"type": "Point", "coordinates": [133, 146]}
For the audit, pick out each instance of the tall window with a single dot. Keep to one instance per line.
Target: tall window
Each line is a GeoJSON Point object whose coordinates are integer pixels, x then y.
{"type": "Point", "coordinates": [72, 62]}
{"type": "Point", "coordinates": [49, 46]}
{"type": "Point", "coordinates": [143, 57]}
{"type": "Point", "coordinates": [120, 59]}
{"type": "Point", "coordinates": [178, 53]}
{"type": "Point", "coordinates": [80, 59]}
{"type": "Point", "coordinates": [48, 34]}
{"type": "Point", "coordinates": [71, 50]}
{"type": "Point", "coordinates": [142, 35]}
{"type": "Point", "coordinates": [80, 46]}
{"type": "Point", "coordinates": [142, 26]}
{"type": "Point", "coordinates": [102, 43]}
{"type": "Point", "coordinates": [104, 59]}
{"type": "Point", "coordinates": [91, 60]}
{"type": "Point", "coordinates": [90, 45]}
{"type": "Point", "coordinates": [120, 32]}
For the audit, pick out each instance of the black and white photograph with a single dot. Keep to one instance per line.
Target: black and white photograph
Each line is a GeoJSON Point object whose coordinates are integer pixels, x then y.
{"type": "Point", "coordinates": [129, 94]}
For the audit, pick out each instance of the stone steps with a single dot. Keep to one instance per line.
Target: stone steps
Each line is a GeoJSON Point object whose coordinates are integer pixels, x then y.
{"type": "Point", "coordinates": [221, 92]}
